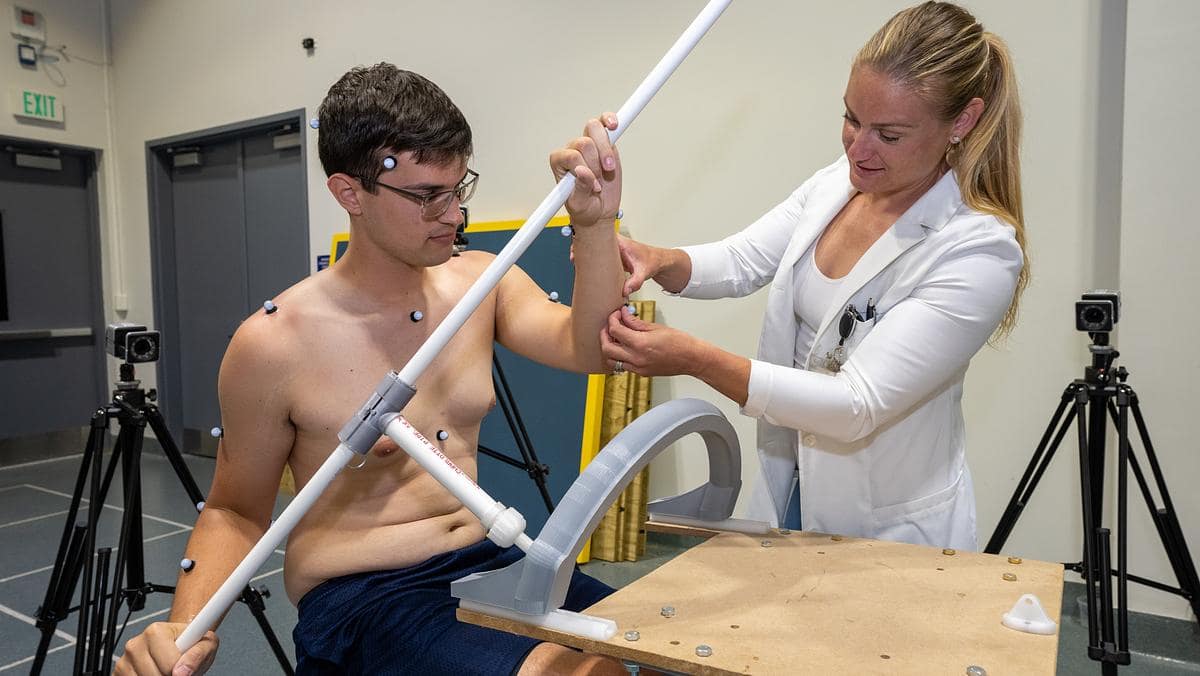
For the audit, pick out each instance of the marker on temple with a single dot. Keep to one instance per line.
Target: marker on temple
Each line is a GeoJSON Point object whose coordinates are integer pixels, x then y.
{"type": "Point", "coordinates": [314, 123]}
{"type": "Point", "coordinates": [187, 565]}
{"type": "Point", "coordinates": [389, 162]}
{"type": "Point", "coordinates": [270, 307]}
{"type": "Point", "coordinates": [416, 315]}
{"type": "Point", "coordinates": [443, 435]}
{"type": "Point", "coordinates": [553, 296]}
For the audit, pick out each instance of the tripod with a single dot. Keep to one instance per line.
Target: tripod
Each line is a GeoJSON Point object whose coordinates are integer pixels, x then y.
{"type": "Point", "coordinates": [529, 460]}
{"type": "Point", "coordinates": [98, 606]}
{"type": "Point", "coordinates": [1090, 399]}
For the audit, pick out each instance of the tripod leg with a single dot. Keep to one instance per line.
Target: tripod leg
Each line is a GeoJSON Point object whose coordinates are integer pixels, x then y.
{"type": "Point", "coordinates": [96, 639]}
{"type": "Point", "coordinates": [1122, 525]}
{"type": "Point", "coordinates": [521, 435]}
{"type": "Point", "coordinates": [159, 427]}
{"type": "Point", "coordinates": [58, 608]}
{"type": "Point", "coordinates": [1089, 529]}
{"type": "Point", "coordinates": [253, 599]}
{"type": "Point", "coordinates": [95, 506]}
{"type": "Point", "coordinates": [54, 606]}
{"type": "Point", "coordinates": [1165, 518]}
{"type": "Point", "coordinates": [128, 568]}
{"type": "Point", "coordinates": [1033, 473]}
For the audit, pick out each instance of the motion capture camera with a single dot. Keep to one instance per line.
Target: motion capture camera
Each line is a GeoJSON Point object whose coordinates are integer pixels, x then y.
{"type": "Point", "coordinates": [1098, 311]}
{"type": "Point", "coordinates": [132, 342]}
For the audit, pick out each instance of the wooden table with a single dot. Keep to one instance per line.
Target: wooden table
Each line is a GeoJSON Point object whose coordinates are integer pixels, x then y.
{"type": "Point", "coordinates": [819, 604]}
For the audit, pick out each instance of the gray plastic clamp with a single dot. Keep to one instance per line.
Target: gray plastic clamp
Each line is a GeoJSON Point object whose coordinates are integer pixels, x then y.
{"type": "Point", "coordinates": [365, 428]}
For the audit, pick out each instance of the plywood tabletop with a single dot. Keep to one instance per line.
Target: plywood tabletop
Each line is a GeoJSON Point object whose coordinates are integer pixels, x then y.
{"type": "Point", "coordinates": [821, 604]}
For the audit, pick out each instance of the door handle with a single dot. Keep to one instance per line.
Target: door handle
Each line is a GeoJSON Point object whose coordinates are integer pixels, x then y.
{"type": "Point", "coordinates": [36, 334]}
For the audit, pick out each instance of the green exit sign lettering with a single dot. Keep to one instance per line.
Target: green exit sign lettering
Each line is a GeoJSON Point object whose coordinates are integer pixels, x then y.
{"type": "Point", "coordinates": [33, 105]}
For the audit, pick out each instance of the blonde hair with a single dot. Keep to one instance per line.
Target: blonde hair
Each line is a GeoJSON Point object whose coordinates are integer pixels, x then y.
{"type": "Point", "coordinates": [941, 52]}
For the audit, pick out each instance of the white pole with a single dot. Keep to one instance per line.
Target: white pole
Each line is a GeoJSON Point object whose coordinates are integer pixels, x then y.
{"type": "Point", "coordinates": [558, 196]}
{"type": "Point", "coordinates": [232, 588]}
{"type": "Point", "coordinates": [225, 596]}
{"type": "Point", "coordinates": [505, 525]}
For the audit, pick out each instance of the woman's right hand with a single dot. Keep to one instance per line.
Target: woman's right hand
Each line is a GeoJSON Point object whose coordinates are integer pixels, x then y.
{"type": "Point", "coordinates": [153, 652]}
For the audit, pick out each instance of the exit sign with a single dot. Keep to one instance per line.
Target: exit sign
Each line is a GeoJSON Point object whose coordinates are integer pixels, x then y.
{"type": "Point", "coordinates": [33, 105]}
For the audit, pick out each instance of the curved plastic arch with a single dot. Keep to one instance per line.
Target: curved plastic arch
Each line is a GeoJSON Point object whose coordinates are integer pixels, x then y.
{"type": "Point", "coordinates": [537, 584]}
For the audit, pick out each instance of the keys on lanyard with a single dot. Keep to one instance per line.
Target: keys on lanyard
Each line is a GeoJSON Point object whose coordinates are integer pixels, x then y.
{"type": "Point", "coordinates": [850, 318]}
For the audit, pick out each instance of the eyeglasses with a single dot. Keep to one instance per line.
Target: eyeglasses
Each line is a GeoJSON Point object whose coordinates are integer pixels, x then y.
{"type": "Point", "coordinates": [433, 205]}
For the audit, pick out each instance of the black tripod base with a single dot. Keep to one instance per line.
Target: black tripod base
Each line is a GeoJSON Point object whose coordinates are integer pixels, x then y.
{"type": "Point", "coordinates": [1089, 403]}
{"type": "Point", "coordinates": [80, 567]}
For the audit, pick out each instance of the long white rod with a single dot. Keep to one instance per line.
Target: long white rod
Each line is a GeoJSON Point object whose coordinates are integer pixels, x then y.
{"type": "Point", "coordinates": [231, 589]}
{"type": "Point", "coordinates": [558, 196]}
{"type": "Point", "coordinates": [225, 596]}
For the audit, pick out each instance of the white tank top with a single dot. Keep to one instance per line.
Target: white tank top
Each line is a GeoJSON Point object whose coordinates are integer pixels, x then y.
{"type": "Point", "coordinates": [813, 294]}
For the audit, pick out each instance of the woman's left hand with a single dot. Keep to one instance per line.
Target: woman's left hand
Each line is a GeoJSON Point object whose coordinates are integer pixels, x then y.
{"type": "Point", "coordinates": [647, 349]}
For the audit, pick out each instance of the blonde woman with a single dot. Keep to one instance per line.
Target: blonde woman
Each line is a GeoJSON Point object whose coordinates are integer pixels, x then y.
{"type": "Point", "coordinates": [887, 271]}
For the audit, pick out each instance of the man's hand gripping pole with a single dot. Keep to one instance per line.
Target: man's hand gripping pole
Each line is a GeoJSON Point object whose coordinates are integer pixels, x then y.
{"type": "Point", "coordinates": [380, 415]}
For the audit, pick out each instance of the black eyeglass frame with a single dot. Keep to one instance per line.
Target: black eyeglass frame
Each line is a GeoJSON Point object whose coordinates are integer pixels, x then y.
{"type": "Point", "coordinates": [464, 191]}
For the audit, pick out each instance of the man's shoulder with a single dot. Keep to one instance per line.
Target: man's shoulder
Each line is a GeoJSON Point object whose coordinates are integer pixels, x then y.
{"type": "Point", "coordinates": [275, 331]}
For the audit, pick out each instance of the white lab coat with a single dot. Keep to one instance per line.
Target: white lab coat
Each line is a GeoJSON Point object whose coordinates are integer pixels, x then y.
{"type": "Point", "coordinates": [879, 445]}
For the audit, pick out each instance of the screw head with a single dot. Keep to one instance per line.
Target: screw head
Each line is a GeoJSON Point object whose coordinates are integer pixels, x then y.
{"type": "Point", "coordinates": [1009, 577]}
{"type": "Point", "coordinates": [703, 650]}
{"type": "Point", "coordinates": [767, 543]}
{"type": "Point", "coordinates": [668, 611]}
{"type": "Point", "coordinates": [1014, 559]}
{"type": "Point", "coordinates": [975, 670]}
{"type": "Point", "coordinates": [836, 538]}
{"type": "Point", "coordinates": [785, 531]}
{"type": "Point", "coordinates": [949, 552]}
{"type": "Point", "coordinates": [632, 635]}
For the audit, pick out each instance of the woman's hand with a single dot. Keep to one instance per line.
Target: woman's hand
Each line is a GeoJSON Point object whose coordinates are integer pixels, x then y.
{"type": "Point", "coordinates": [647, 349]}
{"type": "Point", "coordinates": [638, 260]}
{"type": "Point", "coordinates": [630, 344]}
{"type": "Point", "coordinates": [593, 160]}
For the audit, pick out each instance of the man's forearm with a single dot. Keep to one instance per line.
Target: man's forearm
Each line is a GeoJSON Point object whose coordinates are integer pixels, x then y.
{"type": "Point", "coordinates": [217, 545]}
{"type": "Point", "coordinates": [598, 280]}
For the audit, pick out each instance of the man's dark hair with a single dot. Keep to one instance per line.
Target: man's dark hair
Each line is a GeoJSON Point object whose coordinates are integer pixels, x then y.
{"type": "Point", "coordinates": [375, 111]}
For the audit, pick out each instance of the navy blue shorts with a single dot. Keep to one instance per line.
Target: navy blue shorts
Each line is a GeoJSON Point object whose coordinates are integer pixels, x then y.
{"type": "Point", "coordinates": [402, 621]}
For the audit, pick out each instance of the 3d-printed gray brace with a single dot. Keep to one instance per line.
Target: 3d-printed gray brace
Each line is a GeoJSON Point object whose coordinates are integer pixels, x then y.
{"type": "Point", "coordinates": [365, 428]}
{"type": "Point", "coordinates": [537, 584]}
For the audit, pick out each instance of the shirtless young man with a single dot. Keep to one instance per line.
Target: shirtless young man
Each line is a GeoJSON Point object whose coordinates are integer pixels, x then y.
{"type": "Point", "coordinates": [370, 565]}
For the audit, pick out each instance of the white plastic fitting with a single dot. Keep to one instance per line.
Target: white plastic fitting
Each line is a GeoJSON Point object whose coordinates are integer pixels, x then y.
{"type": "Point", "coordinates": [507, 525]}
{"type": "Point", "coordinates": [1028, 615]}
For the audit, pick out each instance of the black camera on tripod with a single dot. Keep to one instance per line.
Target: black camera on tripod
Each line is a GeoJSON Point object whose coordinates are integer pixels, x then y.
{"type": "Point", "coordinates": [1098, 311]}
{"type": "Point", "coordinates": [132, 342]}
